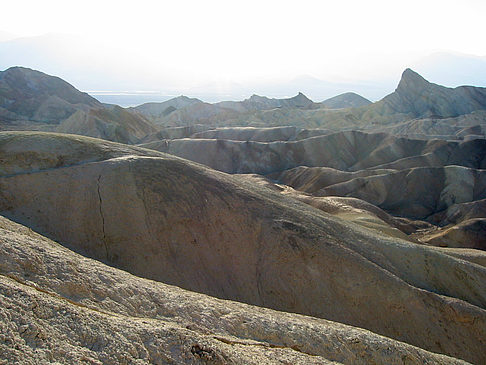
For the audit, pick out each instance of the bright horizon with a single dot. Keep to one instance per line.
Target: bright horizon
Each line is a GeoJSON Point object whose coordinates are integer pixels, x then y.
{"type": "Point", "coordinates": [186, 45]}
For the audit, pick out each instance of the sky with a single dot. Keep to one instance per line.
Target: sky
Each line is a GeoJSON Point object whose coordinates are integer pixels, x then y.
{"type": "Point", "coordinates": [197, 42]}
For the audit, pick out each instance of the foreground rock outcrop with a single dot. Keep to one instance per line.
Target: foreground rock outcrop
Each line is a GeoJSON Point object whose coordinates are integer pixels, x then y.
{"type": "Point", "coordinates": [57, 306]}
{"type": "Point", "coordinates": [168, 219]}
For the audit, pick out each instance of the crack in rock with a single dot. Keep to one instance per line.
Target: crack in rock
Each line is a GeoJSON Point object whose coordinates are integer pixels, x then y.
{"type": "Point", "coordinates": [102, 218]}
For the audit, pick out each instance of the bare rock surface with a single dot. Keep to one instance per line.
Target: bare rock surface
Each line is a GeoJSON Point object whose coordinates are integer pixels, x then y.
{"type": "Point", "coordinates": [313, 179]}
{"type": "Point", "coordinates": [459, 212]}
{"type": "Point", "coordinates": [416, 193]}
{"type": "Point", "coordinates": [350, 209]}
{"type": "Point", "coordinates": [57, 306]}
{"type": "Point", "coordinates": [470, 233]}
{"type": "Point", "coordinates": [350, 150]}
{"type": "Point", "coordinates": [180, 223]}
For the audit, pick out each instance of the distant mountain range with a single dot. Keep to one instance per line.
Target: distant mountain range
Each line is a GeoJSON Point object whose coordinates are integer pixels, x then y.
{"type": "Point", "coordinates": [33, 100]}
{"type": "Point", "coordinates": [68, 57]}
{"type": "Point", "coordinates": [414, 98]}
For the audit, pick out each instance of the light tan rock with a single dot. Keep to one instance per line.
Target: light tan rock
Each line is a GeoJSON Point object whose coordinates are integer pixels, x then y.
{"type": "Point", "coordinates": [56, 306]}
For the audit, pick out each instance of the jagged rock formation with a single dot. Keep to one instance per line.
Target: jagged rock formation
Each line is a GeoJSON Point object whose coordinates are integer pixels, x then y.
{"type": "Point", "coordinates": [350, 151]}
{"type": "Point", "coordinates": [167, 219]}
{"type": "Point", "coordinates": [59, 306]}
{"type": "Point", "coordinates": [415, 97]}
{"type": "Point", "coordinates": [32, 100]}
{"type": "Point", "coordinates": [416, 193]}
{"type": "Point", "coordinates": [256, 102]}
{"type": "Point", "coordinates": [414, 179]}
{"type": "Point", "coordinates": [346, 100]}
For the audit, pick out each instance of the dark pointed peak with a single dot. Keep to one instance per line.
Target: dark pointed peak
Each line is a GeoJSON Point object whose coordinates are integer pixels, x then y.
{"type": "Point", "coordinates": [301, 98]}
{"type": "Point", "coordinates": [410, 74]}
{"type": "Point", "coordinates": [300, 95]}
{"type": "Point", "coordinates": [256, 97]}
{"type": "Point", "coordinates": [411, 80]}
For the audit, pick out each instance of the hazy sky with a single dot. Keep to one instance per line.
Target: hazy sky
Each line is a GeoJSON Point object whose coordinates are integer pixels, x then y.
{"type": "Point", "coordinates": [247, 40]}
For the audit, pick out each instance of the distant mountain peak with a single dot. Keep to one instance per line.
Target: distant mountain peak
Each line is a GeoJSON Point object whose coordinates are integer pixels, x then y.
{"type": "Point", "coordinates": [415, 97]}
{"type": "Point", "coordinates": [301, 96]}
{"type": "Point", "coordinates": [257, 97]}
{"type": "Point", "coordinates": [411, 80]}
{"type": "Point", "coordinates": [346, 100]}
{"type": "Point", "coordinates": [300, 100]}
